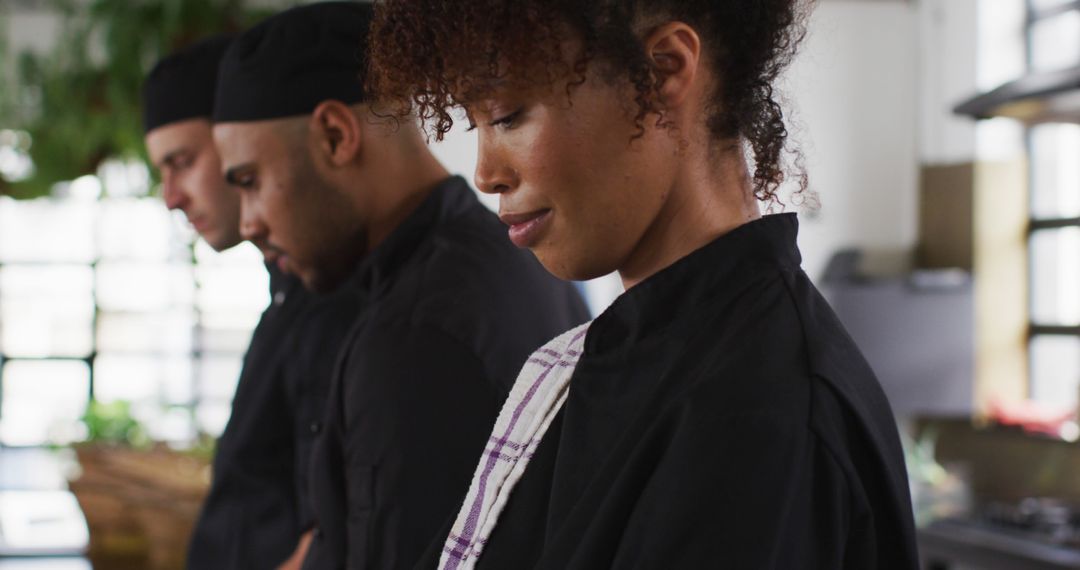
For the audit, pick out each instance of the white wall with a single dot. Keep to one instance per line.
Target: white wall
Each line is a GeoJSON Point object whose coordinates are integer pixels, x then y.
{"type": "Point", "coordinates": [948, 44]}
{"type": "Point", "coordinates": [855, 106]}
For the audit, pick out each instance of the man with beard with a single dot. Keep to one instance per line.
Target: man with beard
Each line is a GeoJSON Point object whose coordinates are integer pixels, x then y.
{"type": "Point", "coordinates": [345, 199]}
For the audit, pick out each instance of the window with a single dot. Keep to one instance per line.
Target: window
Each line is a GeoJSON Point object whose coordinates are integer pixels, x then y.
{"type": "Point", "coordinates": [109, 298]}
{"type": "Point", "coordinates": [1053, 40]}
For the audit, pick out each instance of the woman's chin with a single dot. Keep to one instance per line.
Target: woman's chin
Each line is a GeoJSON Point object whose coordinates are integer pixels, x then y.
{"type": "Point", "coordinates": [569, 267]}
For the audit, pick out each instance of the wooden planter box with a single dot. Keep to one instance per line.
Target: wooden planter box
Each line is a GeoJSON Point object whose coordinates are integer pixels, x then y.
{"type": "Point", "coordinates": [140, 506]}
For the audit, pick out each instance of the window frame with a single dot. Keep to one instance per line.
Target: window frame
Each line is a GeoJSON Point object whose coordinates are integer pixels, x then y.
{"type": "Point", "coordinates": [198, 349]}
{"type": "Point", "coordinates": [1036, 225]}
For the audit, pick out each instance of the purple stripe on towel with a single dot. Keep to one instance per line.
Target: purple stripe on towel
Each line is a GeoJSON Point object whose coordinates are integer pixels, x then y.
{"type": "Point", "coordinates": [504, 441]}
{"type": "Point", "coordinates": [474, 511]}
{"type": "Point", "coordinates": [544, 363]}
{"type": "Point", "coordinates": [549, 352]}
{"type": "Point", "coordinates": [458, 555]}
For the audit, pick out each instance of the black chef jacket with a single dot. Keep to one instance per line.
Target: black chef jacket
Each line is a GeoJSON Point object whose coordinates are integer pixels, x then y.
{"type": "Point", "coordinates": [258, 504]}
{"type": "Point", "coordinates": [452, 310]}
{"type": "Point", "coordinates": [720, 417]}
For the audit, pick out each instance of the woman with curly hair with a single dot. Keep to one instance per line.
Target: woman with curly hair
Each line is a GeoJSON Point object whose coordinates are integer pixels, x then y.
{"type": "Point", "coordinates": [716, 414]}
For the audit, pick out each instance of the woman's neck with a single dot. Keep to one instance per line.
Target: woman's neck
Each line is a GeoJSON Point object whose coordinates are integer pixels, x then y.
{"type": "Point", "coordinates": [711, 196]}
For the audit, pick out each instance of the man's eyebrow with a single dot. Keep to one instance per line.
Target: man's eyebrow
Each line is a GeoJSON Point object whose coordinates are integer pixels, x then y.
{"type": "Point", "coordinates": [171, 157]}
{"type": "Point", "coordinates": [233, 173]}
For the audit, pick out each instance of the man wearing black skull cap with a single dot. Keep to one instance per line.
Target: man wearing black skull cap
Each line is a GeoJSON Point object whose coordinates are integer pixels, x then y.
{"type": "Point", "coordinates": [344, 199]}
{"type": "Point", "coordinates": [258, 506]}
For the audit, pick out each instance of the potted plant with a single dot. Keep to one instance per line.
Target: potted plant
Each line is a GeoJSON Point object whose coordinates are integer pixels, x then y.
{"type": "Point", "coordinates": [140, 498]}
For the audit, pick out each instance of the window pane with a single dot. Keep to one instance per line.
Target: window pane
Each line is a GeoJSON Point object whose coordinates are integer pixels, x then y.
{"type": "Point", "coordinates": [43, 401]}
{"type": "Point", "coordinates": [147, 382]}
{"type": "Point", "coordinates": [232, 289]}
{"type": "Point", "coordinates": [162, 333]}
{"type": "Point", "coordinates": [218, 376]}
{"type": "Point", "coordinates": [142, 287]}
{"type": "Point", "coordinates": [999, 139]}
{"type": "Point", "coordinates": [233, 292]}
{"type": "Point", "coordinates": [1044, 4]}
{"type": "Point", "coordinates": [140, 229]}
{"type": "Point", "coordinates": [1055, 169]}
{"type": "Point", "coordinates": [160, 391]}
{"type": "Point", "coordinates": [125, 178]}
{"type": "Point", "coordinates": [1055, 370]}
{"type": "Point", "coordinates": [243, 254]}
{"type": "Point", "coordinates": [212, 417]}
{"type": "Point", "coordinates": [1055, 282]}
{"type": "Point", "coordinates": [1000, 42]}
{"type": "Point", "coordinates": [46, 311]}
{"type": "Point", "coordinates": [1055, 42]}
{"type": "Point", "coordinates": [176, 425]}
{"type": "Point", "coordinates": [227, 332]}
{"type": "Point", "coordinates": [47, 230]}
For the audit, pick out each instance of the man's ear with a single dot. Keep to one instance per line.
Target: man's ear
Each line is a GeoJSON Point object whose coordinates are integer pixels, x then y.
{"type": "Point", "coordinates": [674, 50]}
{"type": "Point", "coordinates": [338, 132]}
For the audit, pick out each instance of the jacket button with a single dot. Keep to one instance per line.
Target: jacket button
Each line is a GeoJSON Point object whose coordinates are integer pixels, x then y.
{"type": "Point", "coordinates": [315, 427]}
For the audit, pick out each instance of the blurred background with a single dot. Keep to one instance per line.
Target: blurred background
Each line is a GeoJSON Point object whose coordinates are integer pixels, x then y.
{"type": "Point", "coordinates": [942, 141]}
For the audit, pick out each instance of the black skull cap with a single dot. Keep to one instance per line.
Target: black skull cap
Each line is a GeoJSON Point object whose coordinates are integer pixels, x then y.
{"type": "Point", "coordinates": [289, 63]}
{"type": "Point", "coordinates": [181, 85]}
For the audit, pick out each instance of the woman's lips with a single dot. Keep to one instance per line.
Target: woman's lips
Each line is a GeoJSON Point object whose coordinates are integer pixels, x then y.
{"type": "Point", "coordinates": [527, 229]}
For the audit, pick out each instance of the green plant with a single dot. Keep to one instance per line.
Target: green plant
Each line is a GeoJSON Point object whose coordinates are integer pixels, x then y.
{"type": "Point", "coordinates": [203, 448]}
{"type": "Point", "coordinates": [80, 103]}
{"type": "Point", "coordinates": [113, 423]}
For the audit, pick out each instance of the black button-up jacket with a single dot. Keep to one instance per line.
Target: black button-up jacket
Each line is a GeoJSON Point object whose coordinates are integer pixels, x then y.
{"type": "Point", "coordinates": [451, 311]}
{"type": "Point", "coordinates": [258, 504]}
{"type": "Point", "coordinates": [719, 417]}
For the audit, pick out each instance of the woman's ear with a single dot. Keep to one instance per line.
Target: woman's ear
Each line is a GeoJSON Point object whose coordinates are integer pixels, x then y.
{"type": "Point", "coordinates": [338, 132]}
{"type": "Point", "coordinates": [674, 51]}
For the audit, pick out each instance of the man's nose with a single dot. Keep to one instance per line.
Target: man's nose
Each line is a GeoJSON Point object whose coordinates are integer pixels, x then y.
{"type": "Point", "coordinates": [252, 226]}
{"type": "Point", "coordinates": [173, 194]}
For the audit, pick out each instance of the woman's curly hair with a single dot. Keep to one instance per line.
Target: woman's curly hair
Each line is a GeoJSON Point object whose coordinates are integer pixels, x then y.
{"type": "Point", "coordinates": [429, 56]}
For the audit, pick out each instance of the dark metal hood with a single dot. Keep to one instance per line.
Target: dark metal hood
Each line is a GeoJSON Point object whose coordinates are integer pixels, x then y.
{"type": "Point", "coordinates": [1036, 98]}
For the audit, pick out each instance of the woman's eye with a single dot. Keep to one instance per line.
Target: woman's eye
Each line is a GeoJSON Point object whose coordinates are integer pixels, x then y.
{"type": "Point", "coordinates": [507, 122]}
